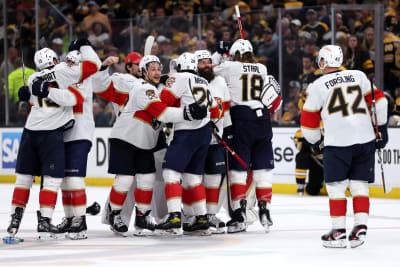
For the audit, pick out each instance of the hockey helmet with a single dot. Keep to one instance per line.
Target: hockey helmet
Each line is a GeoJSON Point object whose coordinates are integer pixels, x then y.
{"type": "Point", "coordinates": [146, 60]}
{"type": "Point", "coordinates": [74, 56]}
{"type": "Point", "coordinates": [202, 54]}
{"type": "Point", "coordinates": [241, 46]}
{"type": "Point", "coordinates": [187, 61]}
{"type": "Point", "coordinates": [133, 57]}
{"type": "Point", "coordinates": [44, 58]}
{"type": "Point", "coordinates": [332, 55]}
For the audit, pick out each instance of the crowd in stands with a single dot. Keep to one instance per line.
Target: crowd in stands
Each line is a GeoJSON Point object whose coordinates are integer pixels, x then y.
{"type": "Point", "coordinates": [306, 26]}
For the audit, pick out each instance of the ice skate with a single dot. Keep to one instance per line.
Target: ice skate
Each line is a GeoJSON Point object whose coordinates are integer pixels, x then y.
{"type": "Point", "coordinates": [78, 228]}
{"type": "Point", "coordinates": [238, 223]}
{"type": "Point", "coordinates": [264, 215]}
{"type": "Point", "coordinates": [64, 226]}
{"type": "Point", "coordinates": [46, 230]}
{"type": "Point", "coordinates": [171, 225]}
{"type": "Point", "coordinates": [93, 209]}
{"type": "Point", "coordinates": [300, 189]}
{"type": "Point", "coordinates": [15, 222]}
{"type": "Point", "coordinates": [144, 224]}
{"type": "Point", "coordinates": [336, 238]}
{"type": "Point", "coordinates": [358, 235]}
{"type": "Point", "coordinates": [197, 225]}
{"type": "Point", "coordinates": [116, 223]}
{"type": "Point", "coordinates": [216, 225]}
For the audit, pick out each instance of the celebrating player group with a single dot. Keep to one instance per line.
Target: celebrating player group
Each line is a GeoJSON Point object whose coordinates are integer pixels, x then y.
{"type": "Point", "coordinates": [208, 123]}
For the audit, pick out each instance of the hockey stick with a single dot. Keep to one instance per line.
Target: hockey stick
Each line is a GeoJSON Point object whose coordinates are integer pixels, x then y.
{"type": "Point", "coordinates": [148, 45]}
{"type": "Point", "coordinates": [228, 185]}
{"type": "Point", "coordinates": [377, 134]}
{"type": "Point", "coordinates": [239, 21]}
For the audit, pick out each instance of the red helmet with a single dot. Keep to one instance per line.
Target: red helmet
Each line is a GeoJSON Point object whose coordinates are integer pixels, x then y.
{"type": "Point", "coordinates": [133, 57]}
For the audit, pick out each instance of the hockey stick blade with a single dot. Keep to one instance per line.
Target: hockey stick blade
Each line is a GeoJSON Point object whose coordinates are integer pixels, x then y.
{"type": "Point", "coordinates": [148, 45]}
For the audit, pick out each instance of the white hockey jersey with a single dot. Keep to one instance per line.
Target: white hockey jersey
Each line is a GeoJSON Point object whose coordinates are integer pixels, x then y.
{"type": "Point", "coordinates": [220, 92]}
{"type": "Point", "coordinates": [181, 89]}
{"type": "Point", "coordinates": [245, 82]}
{"type": "Point", "coordinates": [340, 100]}
{"type": "Point", "coordinates": [47, 113]}
{"type": "Point", "coordinates": [139, 123]}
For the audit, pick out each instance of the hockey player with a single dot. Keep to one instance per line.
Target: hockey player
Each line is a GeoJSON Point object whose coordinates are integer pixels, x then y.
{"type": "Point", "coordinates": [133, 139]}
{"type": "Point", "coordinates": [185, 157]}
{"type": "Point", "coordinates": [215, 163]}
{"type": "Point", "coordinates": [341, 99]}
{"type": "Point", "coordinates": [251, 128]}
{"type": "Point", "coordinates": [41, 151]}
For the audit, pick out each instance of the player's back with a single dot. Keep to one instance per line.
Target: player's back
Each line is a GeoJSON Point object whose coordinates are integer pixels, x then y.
{"type": "Point", "coordinates": [345, 114]}
{"type": "Point", "coordinates": [245, 82]}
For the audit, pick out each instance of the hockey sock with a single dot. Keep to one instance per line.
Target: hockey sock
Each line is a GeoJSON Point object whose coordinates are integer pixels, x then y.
{"type": "Point", "coordinates": [211, 182]}
{"type": "Point", "coordinates": [360, 192]}
{"type": "Point", "coordinates": [192, 182]}
{"type": "Point", "coordinates": [337, 203]}
{"type": "Point", "coordinates": [263, 180]}
{"type": "Point", "coordinates": [187, 202]}
{"type": "Point", "coordinates": [74, 196]}
{"type": "Point", "coordinates": [48, 195]}
{"type": "Point", "coordinates": [21, 192]}
{"type": "Point", "coordinates": [173, 190]}
{"type": "Point", "coordinates": [120, 189]}
{"type": "Point", "coordinates": [238, 187]}
{"type": "Point", "coordinates": [144, 191]}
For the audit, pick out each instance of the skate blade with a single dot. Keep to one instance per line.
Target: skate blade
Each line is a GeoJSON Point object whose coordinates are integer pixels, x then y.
{"type": "Point", "coordinates": [232, 230]}
{"type": "Point", "coordinates": [217, 231]}
{"type": "Point", "coordinates": [356, 243]}
{"type": "Point", "coordinates": [50, 236]}
{"type": "Point", "coordinates": [143, 232]}
{"type": "Point", "coordinates": [341, 243]}
{"type": "Point", "coordinates": [266, 228]}
{"type": "Point", "coordinates": [123, 234]}
{"type": "Point", "coordinates": [170, 232]}
{"type": "Point", "coordinates": [77, 236]}
{"type": "Point", "coordinates": [198, 233]}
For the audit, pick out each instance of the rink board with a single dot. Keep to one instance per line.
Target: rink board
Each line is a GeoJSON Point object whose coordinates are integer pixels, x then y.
{"type": "Point", "coordinates": [284, 154]}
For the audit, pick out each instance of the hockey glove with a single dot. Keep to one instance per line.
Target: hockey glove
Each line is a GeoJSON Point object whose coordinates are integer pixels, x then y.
{"type": "Point", "coordinates": [223, 47]}
{"type": "Point", "coordinates": [164, 78]}
{"type": "Point", "coordinates": [40, 88]}
{"type": "Point", "coordinates": [194, 111]}
{"type": "Point", "coordinates": [384, 138]}
{"type": "Point", "coordinates": [24, 94]}
{"type": "Point", "coordinates": [270, 94]}
{"type": "Point", "coordinates": [76, 44]}
{"type": "Point", "coordinates": [318, 147]}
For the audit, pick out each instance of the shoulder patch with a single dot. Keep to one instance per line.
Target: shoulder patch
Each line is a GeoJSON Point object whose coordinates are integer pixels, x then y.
{"type": "Point", "coordinates": [151, 94]}
{"type": "Point", "coordinates": [170, 81]}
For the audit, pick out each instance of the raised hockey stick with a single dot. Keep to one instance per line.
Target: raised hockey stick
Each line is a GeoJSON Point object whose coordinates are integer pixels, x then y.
{"type": "Point", "coordinates": [377, 134]}
{"type": "Point", "coordinates": [239, 21]}
{"type": "Point", "coordinates": [148, 45]}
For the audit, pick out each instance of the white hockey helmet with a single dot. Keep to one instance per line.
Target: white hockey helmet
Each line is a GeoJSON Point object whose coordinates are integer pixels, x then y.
{"type": "Point", "coordinates": [146, 60]}
{"type": "Point", "coordinates": [74, 56]}
{"type": "Point", "coordinates": [332, 55]}
{"type": "Point", "coordinates": [44, 58]}
{"type": "Point", "coordinates": [241, 46]}
{"type": "Point", "coordinates": [202, 54]}
{"type": "Point", "coordinates": [187, 61]}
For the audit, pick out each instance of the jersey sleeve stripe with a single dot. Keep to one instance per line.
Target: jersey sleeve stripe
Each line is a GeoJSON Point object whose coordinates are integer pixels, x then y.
{"type": "Point", "coordinates": [216, 112]}
{"type": "Point", "coordinates": [310, 119]}
{"type": "Point", "coordinates": [169, 98]}
{"type": "Point", "coordinates": [378, 95]}
{"type": "Point", "coordinates": [112, 95]}
{"type": "Point", "coordinates": [156, 108]}
{"type": "Point", "coordinates": [79, 98]}
{"type": "Point", "coordinates": [143, 116]}
{"type": "Point", "coordinates": [88, 68]}
{"type": "Point", "coordinates": [226, 105]}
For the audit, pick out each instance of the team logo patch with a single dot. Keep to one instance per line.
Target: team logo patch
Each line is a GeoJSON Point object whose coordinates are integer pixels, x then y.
{"type": "Point", "coordinates": [170, 82]}
{"type": "Point", "coordinates": [151, 94]}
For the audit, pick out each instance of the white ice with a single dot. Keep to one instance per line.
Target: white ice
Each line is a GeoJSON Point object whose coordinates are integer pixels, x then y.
{"type": "Point", "coordinates": [294, 239]}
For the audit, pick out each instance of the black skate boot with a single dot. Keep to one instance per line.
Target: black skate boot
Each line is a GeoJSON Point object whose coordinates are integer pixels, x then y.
{"type": "Point", "coordinates": [336, 238]}
{"type": "Point", "coordinates": [46, 230]}
{"type": "Point", "coordinates": [264, 215]}
{"type": "Point", "coordinates": [93, 209]}
{"type": "Point", "coordinates": [16, 218]}
{"type": "Point", "coordinates": [78, 228]}
{"type": "Point", "coordinates": [216, 225]}
{"type": "Point", "coordinates": [171, 224]}
{"type": "Point", "coordinates": [197, 225]}
{"type": "Point", "coordinates": [117, 225]}
{"type": "Point", "coordinates": [358, 235]}
{"type": "Point", "coordinates": [143, 223]}
{"type": "Point", "coordinates": [64, 226]}
{"type": "Point", "coordinates": [238, 223]}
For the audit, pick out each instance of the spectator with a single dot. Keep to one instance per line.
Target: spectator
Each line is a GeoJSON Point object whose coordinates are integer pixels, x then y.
{"type": "Point", "coordinates": [295, 25]}
{"type": "Point", "coordinates": [368, 42]}
{"type": "Point", "coordinates": [356, 58]}
{"type": "Point", "coordinates": [308, 75]}
{"type": "Point", "coordinates": [285, 29]}
{"type": "Point", "coordinates": [10, 60]}
{"type": "Point", "coordinates": [57, 46]}
{"type": "Point", "coordinates": [95, 16]}
{"type": "Point", "coordinates": [311, 47]}
{"type": "Point", "coordinates": [15, 80]}
{"type": "Point", "coordinates": [267, 48]}
{"type": "Point", "coordinates": [99, 35]}
{"type": "Point", "coordinates": [292, 115]}
{"type": "Point", "coordinates": [315, 27]}
{"type": "Point", "coordinates": [291, 57]}
{"type": "Point", "coordinates": [303, 37]}
{"type": "Point", "coordinates": [111, 9]}
{"type": "Point", "coordinates": [100, 117]}
{"type": "Point", "coordinates": [165, 52]}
